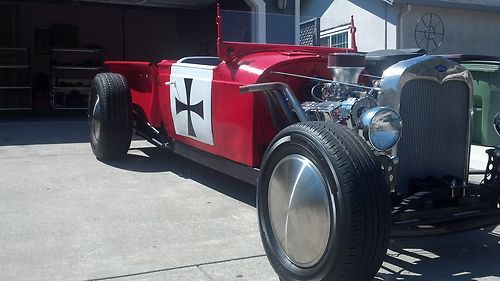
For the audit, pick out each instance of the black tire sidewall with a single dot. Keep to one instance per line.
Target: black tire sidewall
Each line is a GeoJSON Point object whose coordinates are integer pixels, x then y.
{"type": "Point", "coordinates": [115, 101]}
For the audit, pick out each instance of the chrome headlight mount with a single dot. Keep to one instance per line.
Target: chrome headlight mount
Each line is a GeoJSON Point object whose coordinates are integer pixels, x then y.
{"type": "Point", "coordinates": [496, 123]}
{"type": "Point", "coordinates": [381, 126]}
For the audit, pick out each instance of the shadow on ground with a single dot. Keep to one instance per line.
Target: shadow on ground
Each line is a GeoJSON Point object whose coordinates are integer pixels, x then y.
{"type": "Point", "coordinates": [472, 255]}
{"type": "Point", "coordinates": [154, 160]}
{"type": "Point", "coordinates": [43, 130]}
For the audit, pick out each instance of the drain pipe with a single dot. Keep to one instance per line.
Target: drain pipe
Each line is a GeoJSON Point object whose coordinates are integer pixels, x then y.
{"type": "Point", "coordinates": [408, 10]}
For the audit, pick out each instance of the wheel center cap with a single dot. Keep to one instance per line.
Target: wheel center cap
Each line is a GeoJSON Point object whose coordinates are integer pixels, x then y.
{"type": "Point", "coordinates": [299, 209]}
{"type": "Point", "coordinates": [96, 119]}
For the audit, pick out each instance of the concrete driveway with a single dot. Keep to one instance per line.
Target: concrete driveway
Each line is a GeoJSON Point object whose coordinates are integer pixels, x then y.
{"type": "Point", "coordinates": [156, 216]}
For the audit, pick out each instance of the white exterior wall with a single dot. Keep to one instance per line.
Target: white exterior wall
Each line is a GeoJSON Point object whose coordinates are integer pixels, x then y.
{"type": "Point", "coordinates": [369, 18]}
{"type": "Point", "coordinates": [465, 31]}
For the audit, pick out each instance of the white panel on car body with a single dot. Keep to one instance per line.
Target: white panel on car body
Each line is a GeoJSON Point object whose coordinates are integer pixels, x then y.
{"type": "Point", "coordinates": [191, 101]}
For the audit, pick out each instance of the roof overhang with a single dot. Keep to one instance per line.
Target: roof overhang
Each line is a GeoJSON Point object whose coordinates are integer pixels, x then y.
{"type": "Point", "coordinates": [483, 5]}
{"type": "Point", "coordinates": [176, 4]}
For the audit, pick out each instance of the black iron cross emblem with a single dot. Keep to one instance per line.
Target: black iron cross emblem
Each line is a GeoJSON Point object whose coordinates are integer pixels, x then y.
{"type": "Point", "coordinates": [197, 108]}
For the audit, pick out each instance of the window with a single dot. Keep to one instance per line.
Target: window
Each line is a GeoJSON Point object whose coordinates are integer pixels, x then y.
{"type": "Point", "coordinates": [337, 37]}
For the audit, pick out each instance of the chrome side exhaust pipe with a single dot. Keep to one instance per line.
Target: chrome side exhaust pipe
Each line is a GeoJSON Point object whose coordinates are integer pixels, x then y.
{"type": "Point", "coordinates": [278, 87]}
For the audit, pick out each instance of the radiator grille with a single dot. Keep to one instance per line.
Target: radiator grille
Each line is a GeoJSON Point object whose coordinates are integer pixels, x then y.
{"type": "Point", "coordinates": [435, 129]}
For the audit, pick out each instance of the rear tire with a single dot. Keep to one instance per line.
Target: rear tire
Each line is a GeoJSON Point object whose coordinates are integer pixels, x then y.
{"type": "Point", "coordinates": [319, 174]}
{"type": "Point", "coordinates": [110, 116]}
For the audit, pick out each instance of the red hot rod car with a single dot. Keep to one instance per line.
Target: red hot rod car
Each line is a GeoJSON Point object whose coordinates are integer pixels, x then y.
{"type": "Point", "coordinates": [339, 164]}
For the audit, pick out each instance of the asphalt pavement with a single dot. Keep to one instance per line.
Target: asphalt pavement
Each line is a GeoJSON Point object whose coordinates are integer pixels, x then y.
{"type": "Point", "coordinates": [156, 216]}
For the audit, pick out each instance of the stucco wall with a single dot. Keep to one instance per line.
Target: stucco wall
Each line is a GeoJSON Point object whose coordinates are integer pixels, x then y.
{"type": "Point", "coordinates": [369, 17]}
{"type": "Point", "coordinates": [466, 31]}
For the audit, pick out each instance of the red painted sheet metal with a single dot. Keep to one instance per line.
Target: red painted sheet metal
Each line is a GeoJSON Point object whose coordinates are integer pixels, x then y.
{"type": "Point", "coordinates": [245, 123]}
{"type": "Point", "coordinates": [232, 117]}
{"type": "Point", "coordinates": [250, 68]}
{"type": "Point", "coordinates": [264, 130]}
{"type": "Point", "coordinates": [241, 124]}
{"type": "Point", "coordinates": [142, 79]}
{"type": "Point", "coordinates": [164, 68]}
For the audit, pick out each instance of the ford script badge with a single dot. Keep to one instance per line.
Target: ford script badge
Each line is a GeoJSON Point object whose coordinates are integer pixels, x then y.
{"type": "Point", "coordinates": [441, 68]}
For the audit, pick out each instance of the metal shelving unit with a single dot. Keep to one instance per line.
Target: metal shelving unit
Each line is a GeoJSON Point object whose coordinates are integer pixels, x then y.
{"type": "Point", "coordinates": [76, 67]}
{"type": "Point", "coordinates": [15, 78]}
{"type": "Point", "coordinates": [71, 73]}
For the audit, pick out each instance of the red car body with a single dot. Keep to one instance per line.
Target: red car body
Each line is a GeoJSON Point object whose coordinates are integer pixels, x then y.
{"type": "Point", "coordinates": [235, 126]}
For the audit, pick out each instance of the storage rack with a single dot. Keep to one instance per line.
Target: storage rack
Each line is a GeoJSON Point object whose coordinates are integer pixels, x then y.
{"type": "Point", "coordinates": [15, 79]}
{"type": "Point", "coordinates": [71, 79]}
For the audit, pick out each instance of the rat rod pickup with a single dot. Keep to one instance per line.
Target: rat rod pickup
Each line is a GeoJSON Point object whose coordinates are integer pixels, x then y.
{"type": "Point", "coordinates": [342, 157]}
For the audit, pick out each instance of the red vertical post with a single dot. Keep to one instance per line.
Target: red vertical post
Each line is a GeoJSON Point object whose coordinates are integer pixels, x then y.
{"type": "Point", "coordinates": [353, 35]}
{"type": "Point", "coordinates": [219, 32]}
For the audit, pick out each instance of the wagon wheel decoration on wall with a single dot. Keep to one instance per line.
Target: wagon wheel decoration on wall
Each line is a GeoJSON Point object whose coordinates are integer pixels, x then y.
{"type": "Point", "coordinates": [429, 32]}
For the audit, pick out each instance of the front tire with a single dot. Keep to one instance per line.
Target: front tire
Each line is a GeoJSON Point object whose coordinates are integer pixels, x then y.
{"type": "Point", "coordinates": [323, 205]}
{"type": "Point", "coordinates": [110, 116]}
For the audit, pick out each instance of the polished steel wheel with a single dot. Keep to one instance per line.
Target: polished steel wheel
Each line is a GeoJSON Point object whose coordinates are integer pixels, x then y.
{"type": "Point", "coordinates": [299, 210]}
{"type": "Point", "coordinates": [96, 119]}
{"type": "Point", "coordinates": [496, 123]}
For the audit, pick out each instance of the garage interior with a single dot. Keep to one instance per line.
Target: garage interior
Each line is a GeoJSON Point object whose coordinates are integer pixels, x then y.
{"type": "Point", "coordinates": [50, 50]}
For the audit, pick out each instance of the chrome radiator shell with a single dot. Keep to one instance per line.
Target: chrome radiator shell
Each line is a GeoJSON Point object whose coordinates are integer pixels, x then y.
{"type": "Point", "coordinates": [440, 89]}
